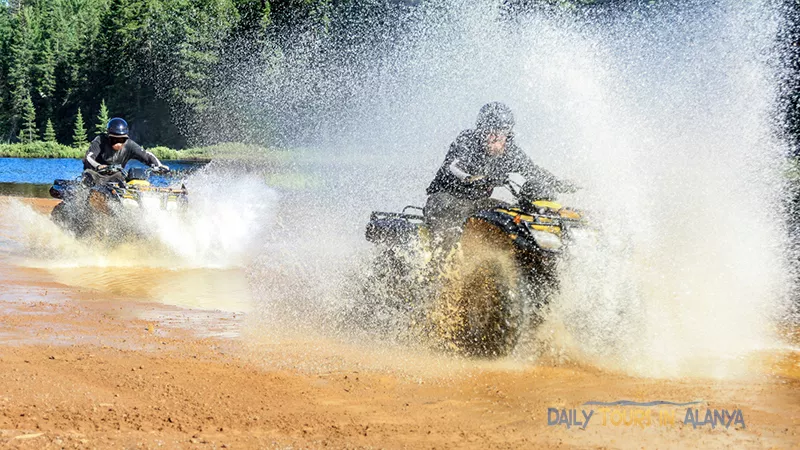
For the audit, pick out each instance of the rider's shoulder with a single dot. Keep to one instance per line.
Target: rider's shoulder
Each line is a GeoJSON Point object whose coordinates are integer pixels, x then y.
{"type": "Point", "coordinates": [130, 143]}
{"type": "Point", "coordinates": [466, 137]}
{"type": "Point", "coordinates": [513, 148]}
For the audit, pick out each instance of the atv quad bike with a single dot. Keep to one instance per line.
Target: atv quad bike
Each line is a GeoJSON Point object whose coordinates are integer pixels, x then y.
{"type": "Point", "coordinates": [112, 207]}
{"type": "Point", "coordinates": [494, 282]}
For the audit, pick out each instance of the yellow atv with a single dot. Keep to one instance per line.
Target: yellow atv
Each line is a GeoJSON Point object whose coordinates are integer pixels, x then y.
{"type": "Point", "coordinates": [494, 282]}
{"type": "Point", "coordinates": [113, 208]}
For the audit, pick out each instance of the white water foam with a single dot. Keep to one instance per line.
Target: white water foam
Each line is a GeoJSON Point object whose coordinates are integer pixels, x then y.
{"type": "Point", "coordinates": [665, 115]}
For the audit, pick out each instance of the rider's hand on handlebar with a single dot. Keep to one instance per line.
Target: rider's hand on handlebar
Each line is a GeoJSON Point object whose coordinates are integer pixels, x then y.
{"type": "Point", "coordinates": [485, 180]}
{"type": "Point", "coordinates": [108, 169]}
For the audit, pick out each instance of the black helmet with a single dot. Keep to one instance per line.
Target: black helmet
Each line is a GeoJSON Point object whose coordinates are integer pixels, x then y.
{"type": "Point", "coordinates": [495, 116]}
{"type": "Point", "coordinates": [117, 127]}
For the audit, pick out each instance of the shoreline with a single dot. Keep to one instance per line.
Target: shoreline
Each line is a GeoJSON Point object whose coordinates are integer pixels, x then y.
{"type": "Point", "coordinates": [50, 150]}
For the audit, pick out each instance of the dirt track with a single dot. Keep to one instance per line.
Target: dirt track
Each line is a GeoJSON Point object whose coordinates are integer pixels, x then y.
{"type": "Point", "coordinates": [87, 368]}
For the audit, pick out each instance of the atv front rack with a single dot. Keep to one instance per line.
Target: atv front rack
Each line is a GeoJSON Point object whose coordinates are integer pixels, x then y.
{"type": "Point", "coordinates": [160, 190]}
{"type": "Point", "coordinates": [378, 215]}
{"type": "Point", "coordinates": [391, 227]}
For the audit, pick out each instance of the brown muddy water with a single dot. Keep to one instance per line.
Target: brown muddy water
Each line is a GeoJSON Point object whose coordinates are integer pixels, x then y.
{"type": "Point", "coordinates": [121, 355]}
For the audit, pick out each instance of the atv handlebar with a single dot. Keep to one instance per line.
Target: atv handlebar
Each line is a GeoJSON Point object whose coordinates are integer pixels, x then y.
{"type": "Point", "coordinates": [110, 169]}
{"type": "Point", "coordinates": [533, 190]}
{"type": "Point", "coordinates": [159, 170]}
{"type": "Point", "coordinates": [114, 168]}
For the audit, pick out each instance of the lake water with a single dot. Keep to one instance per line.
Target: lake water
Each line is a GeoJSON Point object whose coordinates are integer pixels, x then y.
{"type": "Point", "coordinates": [32, 177]}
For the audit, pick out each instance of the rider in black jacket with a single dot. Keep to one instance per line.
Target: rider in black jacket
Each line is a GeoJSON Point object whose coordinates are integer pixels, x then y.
{"type": "Point", "coordinates": [479, 160]}
{"type": "Point", "coordinates": [114, 148]}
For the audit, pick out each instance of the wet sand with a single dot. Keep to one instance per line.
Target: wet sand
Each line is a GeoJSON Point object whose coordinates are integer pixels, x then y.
{"type": "Point", "coordinates": [89, 367]}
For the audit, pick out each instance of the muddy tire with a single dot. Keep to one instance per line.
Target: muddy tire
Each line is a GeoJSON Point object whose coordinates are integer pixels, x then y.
{"type": "Point", "coordinates": [68, 219]}
{"type": "Point", "coordinates": [492, 318]}
{"type": "Point", "coordinates": [59, 215]}
{"type": "Point", "coordinates": [482, 308]}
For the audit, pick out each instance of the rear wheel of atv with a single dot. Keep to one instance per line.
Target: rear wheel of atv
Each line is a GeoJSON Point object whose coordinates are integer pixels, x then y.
{"type": "Point", "coordinates": [483, 296]}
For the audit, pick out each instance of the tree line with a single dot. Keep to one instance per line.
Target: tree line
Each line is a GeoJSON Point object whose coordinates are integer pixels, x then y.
{"type": "Point", "coordinates": [157, 63]}
{"type": "Point", "coordinates": [170, 66]}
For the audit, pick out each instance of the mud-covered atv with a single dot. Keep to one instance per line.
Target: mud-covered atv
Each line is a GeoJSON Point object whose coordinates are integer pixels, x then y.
{"type": "Point", "coordinates": [113, 208]}
{"type": "Point", "coordinates": [491, 285]}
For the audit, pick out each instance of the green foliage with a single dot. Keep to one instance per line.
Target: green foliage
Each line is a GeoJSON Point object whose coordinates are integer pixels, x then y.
{"type": "Point", "coordinates": [102, 119]}
{"type": "Point", "coordinates": [22, 44]}
{"type": "Point", "coordinates": [153, 61]}
{"type": "Point", "coordinates": [28, 132]}
{"type": "Point", "coordinates": [39, 150]}
{"type": "Point", "coordinates": [79, 133]}
{"type": "Point", "coordinates": [165, 66]}
{"type": "Point", "coordinates": [49, 132]}
{"type": "Point", "coordinates": [56, 150]}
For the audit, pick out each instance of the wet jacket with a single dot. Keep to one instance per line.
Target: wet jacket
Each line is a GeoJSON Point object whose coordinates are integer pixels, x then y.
{"type": "Point", "coordinates": [101, 153]}
{"type": "Point", "coordinates": [467, 156]}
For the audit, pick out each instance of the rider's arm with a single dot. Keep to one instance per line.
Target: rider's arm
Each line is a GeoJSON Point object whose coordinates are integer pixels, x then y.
{"type": "Point", "coordinates": [532, 172]}
{"type": "Point", "coordinates": [458, 156]}
{"type": "Point", "coordinates": [456, 170]}
{"type": "Point", "coordinates": [91, 154]}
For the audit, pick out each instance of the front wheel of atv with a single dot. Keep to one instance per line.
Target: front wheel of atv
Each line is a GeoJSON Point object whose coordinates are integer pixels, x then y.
{"type": "Point", "coordinates": [492, 318]}
{"type": "Point", "coordinates": [65, 217]}
{"type": "Point", "coordinates": [59, 215]}
{"type": "Point", "coordinates": [484, 294]}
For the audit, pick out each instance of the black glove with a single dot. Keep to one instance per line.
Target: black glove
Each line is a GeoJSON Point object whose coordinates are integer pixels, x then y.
{"type": "Point", "coordinates": [497, 180]}
{"type": "Point", "coordinates": [108, 169]}
{"type": "Point", "coordinates": [484, 180]}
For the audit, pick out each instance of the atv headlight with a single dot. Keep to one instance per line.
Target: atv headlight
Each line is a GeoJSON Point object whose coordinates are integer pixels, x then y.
{"type": "Point", "coordinates": [545, 240]}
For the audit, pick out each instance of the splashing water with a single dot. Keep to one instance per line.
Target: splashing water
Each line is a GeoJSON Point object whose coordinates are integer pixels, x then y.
{"type": "Point", "coordinates": [665, 115]}
{"type": "Point", "coordinates": [228, 212]}
{"type": "Point", "coordinates": [696, 179]}
{"type": "Point", "coordinates": [195, 259]}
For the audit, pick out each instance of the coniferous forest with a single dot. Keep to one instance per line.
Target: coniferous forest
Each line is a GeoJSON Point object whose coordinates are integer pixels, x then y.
{"type": "Point", "coordinates": [173, 66]}
{"type": "Point", "coordinates": [67, 64]}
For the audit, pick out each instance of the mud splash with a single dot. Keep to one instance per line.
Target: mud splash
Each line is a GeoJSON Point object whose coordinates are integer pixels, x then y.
{"type": "Point", "coordinates": [664, 114]}
{"type": "Point", "coordinates": [197, 260]}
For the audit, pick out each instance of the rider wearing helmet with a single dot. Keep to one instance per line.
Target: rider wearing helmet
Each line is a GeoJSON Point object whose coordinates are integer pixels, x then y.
{"type": "Point", "coordinates": [114, 147]}
{"type": "Point", "coordinates": [479, 160]}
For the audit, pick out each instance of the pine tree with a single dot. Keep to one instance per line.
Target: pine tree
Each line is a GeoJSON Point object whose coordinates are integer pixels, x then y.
{"type": "Point", "coordinates": [45, 82]}
{"type": "Point", "coordinates": [19, 71]}
{"type": "Point", "coordinates": [102, 118]}
{"type": "Point", "coordinates": [28, 132]}
{"type": "Point", "coordinates": [79, 134]}
{"type": "Point", "coordinates": [49, 132]}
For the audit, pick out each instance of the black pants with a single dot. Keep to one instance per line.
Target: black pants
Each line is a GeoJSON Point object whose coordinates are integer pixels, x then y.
{"type": "Point", "coordinates": [445, 215]}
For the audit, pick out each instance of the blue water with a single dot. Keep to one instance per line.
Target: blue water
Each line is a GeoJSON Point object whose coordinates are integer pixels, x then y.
{"type": "Point", "coordinates": [45, 170]}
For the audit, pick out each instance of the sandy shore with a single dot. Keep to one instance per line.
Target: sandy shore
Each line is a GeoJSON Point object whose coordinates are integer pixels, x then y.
{"type": "Point", "coordinates": [88, 368]}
